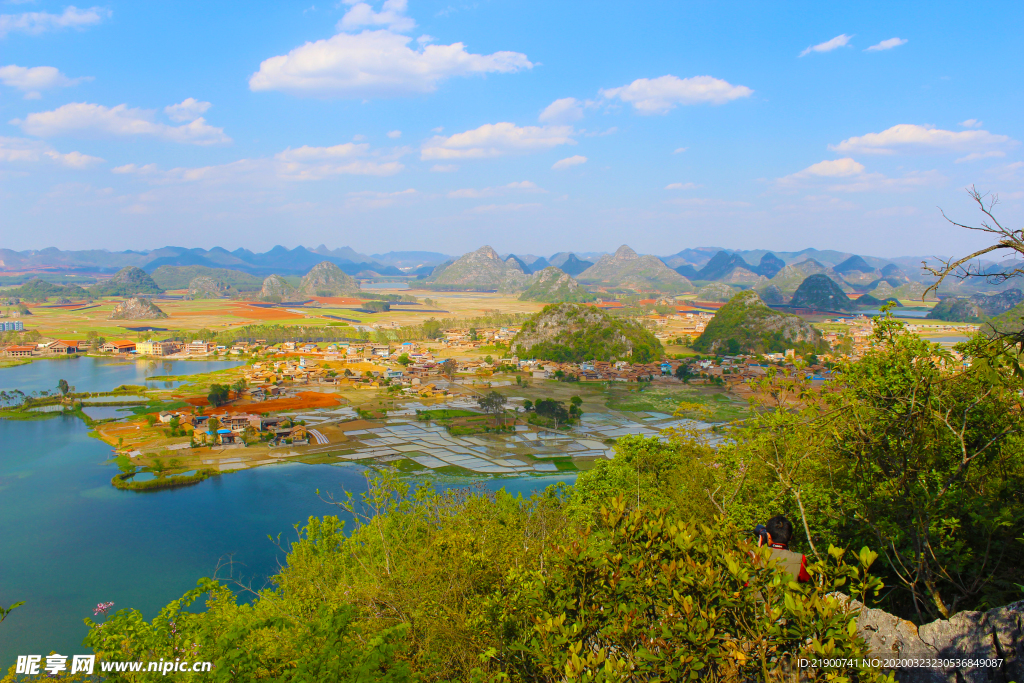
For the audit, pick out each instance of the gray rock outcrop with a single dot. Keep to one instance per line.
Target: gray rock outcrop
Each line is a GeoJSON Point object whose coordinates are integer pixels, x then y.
{"type": "Point", "coordinates": [995, 634]}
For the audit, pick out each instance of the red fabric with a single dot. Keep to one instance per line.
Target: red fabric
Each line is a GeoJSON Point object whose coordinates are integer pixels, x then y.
{"type": "Point", "coordinates": [803, 577]}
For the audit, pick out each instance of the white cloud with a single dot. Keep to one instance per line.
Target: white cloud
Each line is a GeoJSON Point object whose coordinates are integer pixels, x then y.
{"type": "Point", "coordinates": [474, 193]}
{"type": "Point", "coordinates": [971, 123]}
{"type": "Point", "coordinates": [839, 41]}
{"type": "Point", "coordinates": [148, 169]}
{"type": "Point", "coordinates": [23, 150]}
{"type": "Point", "coordinates": [682, 186]}
{"type": "Point", "coordinates": [569, 162]}
{"type": "Point", "coordinates": [375, 63]}
{"type": "Point", "coordinates": [974, 156]}
{"type": "Point", "coordinates": [394, 134]}
{"type": "Point", "coordinates": [444, 168]}
{"type": "Point", "coordinates": [910, 137]}
{"type": "Point", "coordinates": [680, 150]}
{"type": "Point", "coordinates": [847, 175]}
{"type": "Point", "coordinates": [81, 118]}
{"type": "Point", "coordinates": [34, 23]}
{"type": "Point", "coordinates": [886, 45]}
{"type": "Point", "coordinates": [32, 80]}
{"type": "Point", "coordinates": [314, 163]}
{"type": "Point", "coordinates": [187, 110]}
{"type": "Point", "coordinates": [392, 15]}
{"type": "Point", "coordinates": [836, 168]}
{"type": "Point", "coordinates": [496, 139]}
{"type": "Point", "coordinates": [661, 95]}
{"type": "Point", "coordinates": [308, 154]}
{"type": "Point", "coordinates": [565, 110]}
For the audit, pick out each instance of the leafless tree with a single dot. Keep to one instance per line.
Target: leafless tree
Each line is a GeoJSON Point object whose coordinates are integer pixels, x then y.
{"type": "Point", "coordinates": [1004, 239]}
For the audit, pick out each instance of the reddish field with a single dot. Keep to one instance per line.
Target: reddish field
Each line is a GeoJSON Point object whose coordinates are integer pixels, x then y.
{"type": "Point", "coordinates": [304, 401]}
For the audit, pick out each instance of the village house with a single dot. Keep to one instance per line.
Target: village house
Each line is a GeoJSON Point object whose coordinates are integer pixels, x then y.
{"type": "Point", "coordinates": [154, 347]}
{"type": "Point", "coordinates": [19, 351]}
{"type": "Point", "coordinates": [118, 347]}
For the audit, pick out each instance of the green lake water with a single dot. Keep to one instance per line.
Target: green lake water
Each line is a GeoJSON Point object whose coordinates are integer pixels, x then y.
{"type": "Point", "coordinates": [69, 540]}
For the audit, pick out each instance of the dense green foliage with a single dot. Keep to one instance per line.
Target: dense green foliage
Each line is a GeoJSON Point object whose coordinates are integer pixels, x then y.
{"type": "Point", "coordinates": [570, 333]}
{"type": "Point", "coordinates": [747, 325]}
{"type": "Point", "coordinates": [957, 310]}
{"type": "Point", "coordinates": [473, 586]}
{"type": "Point", "coordinates": [39, 290]}
{"type": "Point", "coordinates": [179, 277]}
{"type": "Point", "coordinates": [552, 285]}
{"type": "Point", "coordinates": [820, 292]}
{"type": "Point", "coordinates": [219, 394]}
{"type": "Point", "coordinates": [128, 281]}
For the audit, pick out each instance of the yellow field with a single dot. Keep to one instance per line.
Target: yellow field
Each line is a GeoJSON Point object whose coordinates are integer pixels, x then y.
{"type": "Point", "coordinates": [217, 315]}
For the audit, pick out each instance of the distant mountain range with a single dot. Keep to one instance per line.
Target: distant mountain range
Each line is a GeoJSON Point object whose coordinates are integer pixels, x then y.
{"type": "Point", "coordinates": [756, 268]}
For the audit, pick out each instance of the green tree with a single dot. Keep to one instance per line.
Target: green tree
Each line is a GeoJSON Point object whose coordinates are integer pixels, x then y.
{"type": "Point", "coordinates": [219, 395]}
{"type": "Point", "coordinates": [493, 403]}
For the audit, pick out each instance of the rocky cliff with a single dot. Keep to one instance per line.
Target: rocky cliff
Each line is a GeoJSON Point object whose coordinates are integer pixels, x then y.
{"type": "Point", "coordinates": [997, 634]}
{"type": "Point", "coordinates": [137, 309]}
{"type": "Point", "coordinates": [327, 279]}
{"type": "Point", "coordinates": [276, 288]}
{"type": "Point", "coordinates": [205, 287]}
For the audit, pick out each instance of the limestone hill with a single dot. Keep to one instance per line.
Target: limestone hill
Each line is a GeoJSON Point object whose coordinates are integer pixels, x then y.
{"type": "Point", "coordinates": [716, 292]}
{"type": "Point", "coordinates": [770, 265]}
{"type": "Point", "coordinates": [791, 277]}
{"type": "Point", "coordinates": [327, 279]}
{"type": "Point", "coordinates": [866, 300]}
{"type": "Point", "coordinates": [908, 291]}
{"type": "Point", "coordinates": [627, 269]}
{"type": "Point", "coordinates": [137, 309]}
{"type": "Point", "coordinates": [276, 288]}
{"type": "Point", "coordinates": [723, 264]}
{"type": "Point", "coordinates": [976, 308]}
{"type": "Point", "coordinates": [551, 285]}
{"type": "Point", "coordinates": [820, 292]}
{"type": "Point", "coordinates": [482, 270]}
{"type": "Point", "coordinates": [128, 281]}
{"type": "Point", "coordinates": [205, 287]}
{"type": "Point", "coordinates": [573, 265]}
{"type": "Point", "coordinates": [37, 289]}
{"type": "Point", "coordinates": [771, 295]}
{"type": "Point", "coordinates": [747, 325]}
{"type": "Point", "coordinates": [180, 277]}
{"type": "Point", "coordinates": [573, 333]}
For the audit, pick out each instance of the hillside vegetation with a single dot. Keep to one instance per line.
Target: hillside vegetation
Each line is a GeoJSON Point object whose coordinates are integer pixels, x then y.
{"type": "Point", "coordinates": [645, 570]}
{"type": "Point", "coordinates": [747, 325]}
{"type": "Point", "coordinates": [179, 277]}
{"type": "Point", "coordinates": [571, 333]}
{"type": "Point", "coordinates": [551, 285]}
{"type": "Point", "coordinates": [39, 290]}
{"type": "Point", "coordinates": [483, 270]}
{"type": "Point", "coordinates": [327, 279]}
{"type": "Point", "coordinates": [820, 292]}
{"type": "Point", "coordinates": [128, 281]}
{"type": "Point", "coordinates": [627, 269]}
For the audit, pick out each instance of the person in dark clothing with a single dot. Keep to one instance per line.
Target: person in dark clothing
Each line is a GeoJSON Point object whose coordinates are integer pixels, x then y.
{"type": "Point", "coordinates": [776, 534]}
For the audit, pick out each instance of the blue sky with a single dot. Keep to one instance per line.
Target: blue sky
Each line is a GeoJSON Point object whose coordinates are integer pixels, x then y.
{"type": "Point", "coordinates": [534, 127]}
